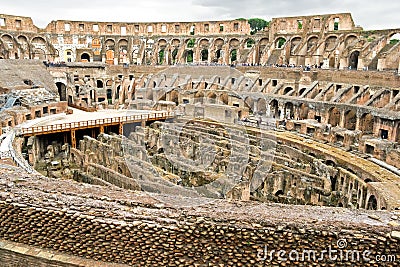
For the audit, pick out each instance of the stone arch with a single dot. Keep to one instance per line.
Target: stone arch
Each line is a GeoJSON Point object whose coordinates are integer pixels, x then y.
{"type": "Point", "coordinates": [85, 57]}
{"type": "Point", "coordinates": [123, 50]}
{"type": "Point", "coordinates": [249, 43]}
{"type": "Point", "coordinates": [62, 91]}
{"type": "Point", "coordinates": [294, 42]}
{"type": "Point", "coordinates": [280, 42]}
{"type": "Point", "coordinates": [330, 42]}
{"type": "Point", "coordinates": [353, 59]}
{"type": "Point", "coordinates": [204, 55]}
{"type": "Point", "coordinates": [312, 42]}
{"type": "Point", "coordinates": [274, 108]}
{"type": "Point", "coordinates": [394, 37]}
{"type": "Point", "coordinates": [350, 40]}
{"type": "Point", "coordinates": [233, 56]}
{"type": "Point", "coordinates": [367, 123]}
{"type": "Point", "coordinates": [188, 56]}
{"type": "Point", "coordinates": [224, 98]}
{"type": "Point", "coordinates": [261, 106]}
{"type": "Point", "coordinates": [218, 43]}
{"type": "Point", "coordinates": [38, 41]}
{"type": "Point", "coordinates": [99, 84]}
{"type": "Point", "coordinates": [289, 110]}
{"type": "Point", "coordinates": [211, 97]}
{"type": "Point", "coordinates": [109, 44]}
{"type": "Point", "coordinates": [372, 203]}
{"type": "Point", "coordinates": [174, 97]}
{"type": "Point", "coordinates": [23, 41]}
{"type": "Point", "coordinates": [249, 103]}
{"type": "Point", "coordinates": [234, 43]}
{"type": "Point", "coordinates": [350, 120]}
{"type": "Point", "coordinates": [334, 117]}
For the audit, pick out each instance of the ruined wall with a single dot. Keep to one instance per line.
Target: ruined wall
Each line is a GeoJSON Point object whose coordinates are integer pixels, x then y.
{"type": "Point", "coordinates": [112, 225]}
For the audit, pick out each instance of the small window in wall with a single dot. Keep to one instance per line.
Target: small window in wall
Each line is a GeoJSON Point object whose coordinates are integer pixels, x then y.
{"type": "Point", "coordinates": [336, 24]}
{"type": "Point", "coordinates": [45, 110]}
{"type": "Point", "coordinates": [150, 28]}
{"type": "Point", "coordinates": [274, 82]}
{"type": "Point", "coordinates": [81, 27]}
{"type": "Point", "coordinates": [221, 27]}
{"type": "Point", "coordinates": [260, 82]}
{"type": "Point", "coordinates": [131, 76]}
{"type": "Point", "coordinates": [2, 22]}
{"type": "Point", "coordinates": [317, 23]}
{"type": "Point", "coordinates": [206, 27]}
{"type": "Point", "coordinates": [109, 28]}
{"type": "Point", "coordinates": [177, 28]}
{"type": "Point", "coordinates": [123, 30]}
{"type": "Point", "coordinates": [299, 24]}
{"type": "Point", "coordinates": [137, 28]}
{"type": "Point", "coordinates": [95, 27]}
{"type": "Point", "coordinates": [236, 26]}
{"type": "Point", "coordinates": [18, 23]}
{"type": "Point", "coordinates": [67, 27]}
{"type": "Point", "coordinates": [356, 89]}
{"type": "Point", "coordinates": [164, 28]}
{"type": "Point", "coordinates": [384, 133]}
{"type": "Point", "coordinates": [192, 28]}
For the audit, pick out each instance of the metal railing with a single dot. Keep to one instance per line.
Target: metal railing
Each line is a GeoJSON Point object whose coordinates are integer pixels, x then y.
{"type": "Point", "coordinates": [95, 123]}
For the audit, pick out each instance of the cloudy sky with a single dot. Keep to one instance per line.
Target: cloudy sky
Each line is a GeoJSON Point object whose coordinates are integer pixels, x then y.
{"type": "Point", "coordinates": [381, 14]}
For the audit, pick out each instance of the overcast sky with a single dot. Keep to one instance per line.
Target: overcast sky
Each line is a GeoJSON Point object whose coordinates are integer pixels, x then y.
{"type": "Point", "coordinates": [378, 14]}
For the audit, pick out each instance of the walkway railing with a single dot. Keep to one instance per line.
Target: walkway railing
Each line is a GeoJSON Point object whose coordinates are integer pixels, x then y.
{"type": "Point", "coordinates": [62, 127]}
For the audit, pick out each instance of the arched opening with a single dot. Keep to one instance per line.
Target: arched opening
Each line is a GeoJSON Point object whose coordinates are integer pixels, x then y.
{"type": "Point", "coordinates": [174, 54]}
{"type": "Point", "coordinates": [279, 193]}
{"type": "Point", "coordinates": [289, 110]}
{"type": "Point", "coordinates": [261, 106]}
{"type": "Point", "coordinates": [199, 97]}
{"type": "Point", "coordinates": [110, 57]}
{"type": "Point", "coordinates": [280, 42]}
{"type": "Point", "coordinates": [250, 43]}
{"type": "Point", "coordinates": [189, 56]}
{"type": "Point", "coordinates": [224, 98]}
{"type": "Point", "coordinates": [85, 57]}
{"type": "Point", "coordinates": [233, 55]}
{"type": "Point", "coordinates": [372, 203]}
{"type": "Point", "coordinates": [312, 42]}
{"type": "Point", "coordinates": [394, 39]}
{"type": "Point", "coordinates": [109, 96]}
{"type": "Point", "coordinates": [117, 92]}
{"type": "Point", "coordinates": [302, 90]}
{"type": "Point", "coordinates": [99, 84]}
{"type": "Point", "coordinates": [353, 61]}
{"type": "Point", "coordinates": [287, 90]}
{"type": "Point", "coordinates": [161, 55]}
{"type": "Point", "coordinates": [334, 117]}
{"type": "Point", "coordinates": [218, 54]}
{"type": "Point", "coordinates": [62, 91]}
{"type": "Point", "coordinates": [333, 183]}
{"type": "Point", "coordinates": [367, 123]}
{"type": "Point", "coordinates": [212, 97]}
{"type": "Point", "coordinates": [174, 97]}
{"type": "Point", "coordinates": [350, 120]}
{"type": "Point", "coordinates": [204, 55]}
{"type": "Point", "coordinates": [274, 108]}
{"type": "Point", "coordinates": [249, 103]}
{"type": "Point", "coordinates": [330, 163]}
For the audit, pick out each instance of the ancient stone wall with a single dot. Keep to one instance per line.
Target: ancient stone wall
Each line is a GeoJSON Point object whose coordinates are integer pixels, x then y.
{"type": "Point", "coordinates": [127, 227]}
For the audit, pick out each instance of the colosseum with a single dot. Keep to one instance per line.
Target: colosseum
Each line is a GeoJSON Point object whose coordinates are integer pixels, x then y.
{"type": "Point", "coordinates": [199, 144]}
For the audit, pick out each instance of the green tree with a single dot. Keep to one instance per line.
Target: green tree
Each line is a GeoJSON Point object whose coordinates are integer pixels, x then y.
{"type": "Point", "coordinates": [257, 24]}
